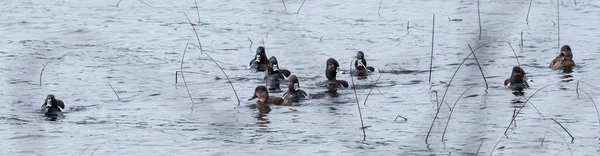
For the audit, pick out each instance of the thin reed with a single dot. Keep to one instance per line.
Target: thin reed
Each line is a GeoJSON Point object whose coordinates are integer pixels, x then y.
{"type": "Point", "coordinates": [432, 38]}
{"type": "Point", "coordinates": [452, 111]}
{"type": "Point", "coordinates": [297, 12]}
{"type": "Point", "coordinates": [480, 69]}
{"type": "Point", "coordinates": [358, 106]}
{"type": "Point", "coordinates": [113, 89]}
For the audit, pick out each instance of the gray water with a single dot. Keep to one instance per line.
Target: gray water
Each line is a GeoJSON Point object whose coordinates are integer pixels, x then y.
{"type": "Point", "coordinates": [137, 49]}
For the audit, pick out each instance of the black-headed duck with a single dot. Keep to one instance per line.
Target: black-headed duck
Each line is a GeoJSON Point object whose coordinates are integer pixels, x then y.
{"type": "Point", "coordinates": [52, 105]}
{"type": "Point", "coordinates": [331, 72]}
{"type": "Point", "coordinates": [517, 80]}
{"type": "Point", "coordinates": [262, 94]}
{"type": "Point", "coordinates": [564, 60]}
{"type": "Point", "coordinates": [259, 62]}
{"type": "Point", "coordinates": [360, 65]}
{"type": "Point", "coordinates": [294, 92]}
{"type": "Point", "coordinates": [275, 75]}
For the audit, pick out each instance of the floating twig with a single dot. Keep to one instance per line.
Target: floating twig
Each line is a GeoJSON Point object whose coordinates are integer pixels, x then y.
{"type": "Point", "coordinates": [572, 138]}
{"type": "Point", "coordinates": [432, 38]}
{"type": "Point", "coordinates": [113, 89]}
{"type": "Point", "coordinates": [358, 105]}
{"type": "Point", "coordinates": [300, 7]}
{"type": "Point", "coordinates": [400, 116]}
{"type": "Point", "coordinates": [480, 69]}
{"type": "Point", "coordinates": [202, 51]}
{"type": "Point", "coordinates": [321, 39]}
{"type": "Point", "coordinates": [452, 110]}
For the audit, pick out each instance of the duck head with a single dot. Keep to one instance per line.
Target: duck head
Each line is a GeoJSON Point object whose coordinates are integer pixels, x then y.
{"type": "Point", "coordinates": [565, 51]}
{"type": "Point", "coordinates": [273, 65]}
{"type": "Point", "coordinates": [331, 70]}
{"type": "Point", "coordinates": [294, 84]}
{"type": "Point", "coordinates": [518, 75]}
{"type": "Point", "coordinates": [261, 93]}
{"type": "Point", "coordinates": [261, 55]}
{"type": "Point", "coordinates": [51, 101]}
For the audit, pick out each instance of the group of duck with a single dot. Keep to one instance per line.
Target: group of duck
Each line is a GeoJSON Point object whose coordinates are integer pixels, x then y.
{"type": "Point", "coordinates": [564, 61]}
{"type": "Point", "coordinates": [275, 76]}
{"type": "Point", "coordinates": [260, 63]}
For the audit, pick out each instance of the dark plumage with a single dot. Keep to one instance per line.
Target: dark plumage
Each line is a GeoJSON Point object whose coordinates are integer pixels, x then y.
{"type": "Point", "coordinates": [331, 72]}
{"type": "Point", "coordinates": [259, 62]}
{"type": "Point", "coordinates": [360, 65]}
{"type": "Point", "coordinates": [517, 80]}
{"type": "Point", "coordinates": [275, 75]}
{"type": "Point", "coordinates": [294, 92]}
{"type": "Point", "coordinates": [262, 94]}
{"type": "Point", "coordinates": [564, 60]}
{"type": "Point", "coordinates": [53, 106]}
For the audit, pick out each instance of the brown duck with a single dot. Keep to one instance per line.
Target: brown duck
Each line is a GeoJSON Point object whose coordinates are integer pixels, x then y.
{"type": "Point", "coordinates": [564, 59]}
{"type": "Point", "coordinates": [262, 94]}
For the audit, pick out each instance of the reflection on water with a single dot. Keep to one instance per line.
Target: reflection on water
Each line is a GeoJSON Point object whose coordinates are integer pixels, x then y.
{"type": "Point", "coordinates": [262, 116]}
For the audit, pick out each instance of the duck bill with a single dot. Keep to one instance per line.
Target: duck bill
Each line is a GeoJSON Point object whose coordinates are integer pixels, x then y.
{"type": "Point", "coordinates": [48, 103]}
{"type": "Point", "coordinates": [296, 86]}
{"type": "Point", "coordinates": [257, 59]}
{"type": "Point", "coordinates": [275, 67]}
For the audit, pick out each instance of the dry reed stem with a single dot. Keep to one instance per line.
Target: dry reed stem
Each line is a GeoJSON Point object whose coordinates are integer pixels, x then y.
{"type": "Point", "coordinates": [365, 102]}
{"type": "Point", "coordinates": [358, 105]}
{"type": "Point", "coordinates": [284, 7]}
{"type": "Point", "coordinates": [543, 138]}
{"type": "Point", "coordinates": [380, 1]}
{"type": "Point", "coordinates": [138, 0]}
{"type": "Point", "coordinates": [480, 69]}
{"type": "Point", "coordinates": [193, 72]}
{"type": "Point", "coordinates": [477, 153]}
{"type": "Point", "coordinates": [511, 47]}
{"type": "Point", "coordinates": [479, 16]}
{"type": "Point", "coordinates": [300, 7]}
{"type": "Point", "coordinates": [197, 11]}
{"type": "Point", "coordinates": [251, 43]}
{"type": "Point", "coordinates": [572, 138]}
{"type": "Point", "coordinates": [111, 87]}
{"type": "Point", "coordinates": [527, 18]}
{"type": "Point", "coordinates": [405, 119]}
{"type": "Point", "coordinates": [183, 77]}
{"type": "Point", "coordinates": [202, 51]}
{"type": "Point", "coordinates": [452, 111]}
{"type": "Point", "coordinates": [432, 39]}
{"type": "Point", "coordinates": [43, 71]}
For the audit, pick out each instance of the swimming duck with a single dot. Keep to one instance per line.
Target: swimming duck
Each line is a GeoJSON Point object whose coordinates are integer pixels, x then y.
{"type": "Point", "coordinates": [294, 92]}
{"type": "Point", "coordinates": [262, 94]}
{"type": "Point", "coordinates": [331, 72]}
{"type": "Point", "coordinates": [361, 65]}
{"type": "Point", "coordinates": [274, 74]}
{"type": "Point", "coordinates": [259, 63]}
{"type": "Point", "coordinates": [517, 80]}
{"type": "Point", "coordinates": [564, 60]}
{"type": "Point", "coordinates": [53, 105]}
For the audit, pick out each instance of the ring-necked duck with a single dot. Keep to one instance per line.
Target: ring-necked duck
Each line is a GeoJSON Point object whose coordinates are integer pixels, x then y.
{"type": "Point", "coordinates": [294, 92]}
{"type": "Point", "coordinates": [517, 80]}
{"type": "Point", "coordinates": [259, 62]}
{"type": "Point", "coordinates": [360, 64]}
{"type": "Point", "coordinates": [564, 59]}
{"type": "Point", "coordinates": [53, 105]}
{"type": "Point", "coordinates": [275, 75]}
{"type": "Point", "coordinates": [331, 72]}
{"type": "Point", "coordinates": [262, 94]}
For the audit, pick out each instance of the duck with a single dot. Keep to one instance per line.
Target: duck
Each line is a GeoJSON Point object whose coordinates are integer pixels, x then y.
{"type": "Point", "coordinates": [294, 92]}
{"type": "Point", "coordinates": [53, 106]}
{"type": "Point", "coordinates": [564, 60]}
{"type": "Point", "coordinates": [517, 80]}
{"type": "Point", "coordinates": [259, 62]}
{"type": "Point", "coordinates": [262, 94]}
{"type": "Point", "coordinates": [331, 72]}
{"type": "Point", "coordinates": [275, 75]}
{"type": "Point", "coordinates": [360, 65]}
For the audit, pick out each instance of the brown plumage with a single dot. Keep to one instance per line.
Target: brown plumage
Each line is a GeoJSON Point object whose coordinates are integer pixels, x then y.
{"type": "Point", "coordinates": [564, 59]}
{"type": "Point", "coordinates": [262, 94]}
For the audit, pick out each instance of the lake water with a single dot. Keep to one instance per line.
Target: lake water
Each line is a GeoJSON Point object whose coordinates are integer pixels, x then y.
{"type": "Point", "coordinates": [137, 47]}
